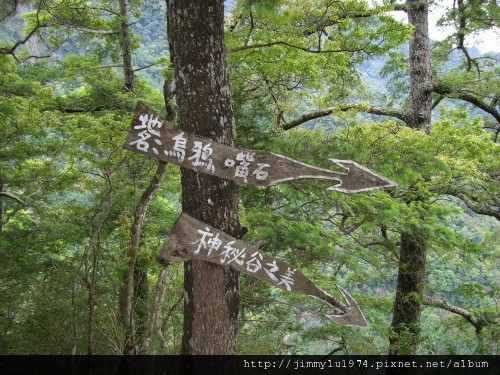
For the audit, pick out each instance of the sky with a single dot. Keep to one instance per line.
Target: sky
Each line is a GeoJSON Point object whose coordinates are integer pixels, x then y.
{"type": "Point", "coordinates": [486, 41]}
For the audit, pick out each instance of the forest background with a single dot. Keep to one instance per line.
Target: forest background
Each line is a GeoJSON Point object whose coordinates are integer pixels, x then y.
{"type": "Point", "coordinates": [82, 220]}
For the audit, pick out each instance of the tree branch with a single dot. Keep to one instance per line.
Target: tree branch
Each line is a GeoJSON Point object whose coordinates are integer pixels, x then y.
{"type": "Point", "coordinates": [94, 31]}
{"type": "Point", "coordinates": [481, 208]}
{"type": "Point", "coordinates": [283, 43]}
{"type": "Point", "coordinates": [478, 322]}
{"type": "Point", "coordinates": [146, 66]}
{"type": "Point", "coordinates": [106, 10]}
{"type": "Point", "coordinates": [343, 107]}
{"type": "Point", "coordinates": [12, 196]}
{"type": "Point", "coordinates": [449, 92]}
{"type": "Point", "coordinates": [10, 10]}
{"type": "Point", "coordinates": [10, 51]}
{"type": "Point", "coordinates": [462, 25]}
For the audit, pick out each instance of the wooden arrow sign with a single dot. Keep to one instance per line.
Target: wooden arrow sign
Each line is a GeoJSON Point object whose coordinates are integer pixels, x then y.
{"type": "Point", "coordinates": [193, 239]}
{"type": "Point", "coordinates": [152, 136]}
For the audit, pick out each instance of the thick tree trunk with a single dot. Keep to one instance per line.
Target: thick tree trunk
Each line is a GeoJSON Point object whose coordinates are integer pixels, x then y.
{"type": "Point", "coordinates": [405, 324]}
{"type": "Point", "coordinates": [126, 44]}
{"type": "Point", "coordinates": [196, 36]}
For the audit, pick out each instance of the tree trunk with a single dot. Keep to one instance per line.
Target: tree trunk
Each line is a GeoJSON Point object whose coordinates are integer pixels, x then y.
{"type": "Point", "coordinates": [196, 37]}
{"type": "Point", "coordinates": [1, 208]}
{"type": "Point", "coordinates": [418, 112]}
{"type": "Point", "coordinates": [405, 324]}
{"type": "Point", "coordinates": [90, 270]}
{"type": "Point", "coordinates": [136, 276]}
{"type": "Point", "coordinates": [126, 44]}
{"type": "Point", "coordinates": [152, 326]}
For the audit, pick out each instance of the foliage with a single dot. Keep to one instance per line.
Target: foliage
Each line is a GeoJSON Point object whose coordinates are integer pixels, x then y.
{"type": "Point", "coordinates": [64, 177]}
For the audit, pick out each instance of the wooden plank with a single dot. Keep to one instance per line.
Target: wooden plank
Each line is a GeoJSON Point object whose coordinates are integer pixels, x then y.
{"type": "Point", "coordinates": [157, 138]}
{"type": "Point", "coordinates": [193, 239]}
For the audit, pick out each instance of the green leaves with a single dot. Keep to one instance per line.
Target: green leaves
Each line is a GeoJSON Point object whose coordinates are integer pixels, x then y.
{"type": "Point", "coordinates": [299, 55]}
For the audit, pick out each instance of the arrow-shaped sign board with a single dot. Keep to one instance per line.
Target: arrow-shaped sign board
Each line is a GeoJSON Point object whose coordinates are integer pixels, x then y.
{"type": "Point", "coordinates": [193, 239]}
{"type": "Point", "coordinates": [152, 136]}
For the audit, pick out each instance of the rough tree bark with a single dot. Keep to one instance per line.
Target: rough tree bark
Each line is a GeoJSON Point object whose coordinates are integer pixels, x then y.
{"type": "Point", "coordinates": [211, 292]}
{"type": "Point", "coordinates": [405, 324]}
{"type": "Point", "coordinates": [418, 112]}
{"type": "Point", "coordinates": [126, 44]}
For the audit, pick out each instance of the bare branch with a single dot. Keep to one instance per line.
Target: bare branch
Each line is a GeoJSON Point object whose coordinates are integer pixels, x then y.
{"type": "Point", "coordinates": [252, 26]}
{"type": "Point", "coordinates": [106, 10]}
{"type": "Point", "coordinates": [94, 31]}
{"type": "Point", "coordinates": [146, 66]}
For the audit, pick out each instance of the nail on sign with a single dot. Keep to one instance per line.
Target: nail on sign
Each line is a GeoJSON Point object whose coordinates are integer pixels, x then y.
{"type": "Point", "coordinates": [152, 136]}
{"type": "Point", "coordinates": [193, 239]}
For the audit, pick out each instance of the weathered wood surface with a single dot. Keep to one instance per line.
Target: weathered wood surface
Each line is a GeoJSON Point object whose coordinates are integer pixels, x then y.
{"type": "Point", "coordinates": [193, 239]}
{"type": "Point", "coordinates": [152, 136]}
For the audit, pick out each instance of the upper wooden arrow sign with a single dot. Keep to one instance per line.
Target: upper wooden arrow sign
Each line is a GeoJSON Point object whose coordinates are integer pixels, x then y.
{"type": "Point", "coordinates": [152, 136]}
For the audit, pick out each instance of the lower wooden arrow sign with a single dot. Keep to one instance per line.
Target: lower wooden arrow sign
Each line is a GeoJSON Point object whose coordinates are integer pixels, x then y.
{"type": "Point", "coordinates": [152, 136]}
{"type": "Point", "coordinates": [193, 239]}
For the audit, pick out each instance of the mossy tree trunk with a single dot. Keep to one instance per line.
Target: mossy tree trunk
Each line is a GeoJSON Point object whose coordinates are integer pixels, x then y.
{"type": "Point", "coordinates": [405, 326]}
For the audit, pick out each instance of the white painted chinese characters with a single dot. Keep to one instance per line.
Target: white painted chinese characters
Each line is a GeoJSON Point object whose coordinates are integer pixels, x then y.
{"type": "Point", "coordinates": [176, 147]}
{"type": "Point", "coordinates": [193, 239]}
{"type": "Point", "coordinates": [211, 244]}
{"type": "Point", "coordinates": [242, 169]}
{"type": "Point", "coordinates": [158, 138]}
